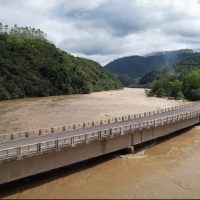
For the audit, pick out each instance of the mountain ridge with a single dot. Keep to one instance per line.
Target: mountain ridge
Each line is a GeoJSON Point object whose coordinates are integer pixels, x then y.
{"type": "Point", "coordinates": [134, 67]}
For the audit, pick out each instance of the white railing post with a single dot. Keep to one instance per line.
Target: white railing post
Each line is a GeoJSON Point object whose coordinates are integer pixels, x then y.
{"type": "Point", "coordinates": [99, 135]}
{"type": "Point", "coordinates": [19, 152]}
{"type": "Point", "coordinates": [86, 138]}
{"type": "Point", "coordinates": [56, 144]}
{"type": "Point", "coordinates": [72, 142]}
{"type": "Point", "coordinates": [121, 130]}
{"type": "Point", "coordinates": [39, 147]}
{"type": "Point", "coordinates": [111, 132]}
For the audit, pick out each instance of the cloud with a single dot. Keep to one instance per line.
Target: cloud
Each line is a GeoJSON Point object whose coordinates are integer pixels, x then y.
{"type": "Point", "coordinates": [107, 29]}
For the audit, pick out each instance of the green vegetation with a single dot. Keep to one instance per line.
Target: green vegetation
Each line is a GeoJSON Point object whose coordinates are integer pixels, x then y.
{"type": "Point", "coordinates": [184, 67]}
{"type": "Point", "coordinates": [154, 75]}
{"type": "Point", "coordinates": [167, 87]}
{"type": "Point", "coordinates": [129, 69]}
{"type": "Point", "coordinates": [24, 32]}
{"type": "Point", "coordinates": [185, 83]}
{"type": "Point", "coordinates": [192, 85]}
{"type": "Point", "coordinates": [30, 66]}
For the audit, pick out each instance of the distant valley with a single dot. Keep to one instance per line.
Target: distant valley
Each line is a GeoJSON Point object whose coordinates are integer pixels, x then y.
{"type": "Point", "coordinates": [130, 69]}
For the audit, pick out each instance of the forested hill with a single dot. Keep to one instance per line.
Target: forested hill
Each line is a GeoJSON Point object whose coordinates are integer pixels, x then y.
{"type": "Point", "coordinates": [133, 67]}
{"type": "Point", "coordinates": [184, 82]}
{"type": "Point", "coordinates": [30, 66]}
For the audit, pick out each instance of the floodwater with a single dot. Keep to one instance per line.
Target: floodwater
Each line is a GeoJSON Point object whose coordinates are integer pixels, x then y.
{"type": "Point", "coordinates": [168, 168]}
{"type": "Point", "coordinates": [35, 113]}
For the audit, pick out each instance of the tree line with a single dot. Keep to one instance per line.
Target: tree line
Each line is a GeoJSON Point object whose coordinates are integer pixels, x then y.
{"type": "Point", "coordinates": [180, 81]}
{"type": "Point", "coordinates": [27, 31]}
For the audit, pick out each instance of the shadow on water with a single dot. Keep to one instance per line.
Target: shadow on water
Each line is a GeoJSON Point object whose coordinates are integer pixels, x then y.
{"type": "Point", "coordinates": [40, 179]}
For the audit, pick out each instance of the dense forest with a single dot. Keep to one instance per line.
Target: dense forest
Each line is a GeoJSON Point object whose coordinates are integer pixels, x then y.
{"type": "Point", "coordinates": [181, 81]}
{"type": "Point", "coordinates": [130, 69]}
{"type": "Point", "coordinates": [154, 75]}
{"type": "Point", "coordinates": [30, 66]}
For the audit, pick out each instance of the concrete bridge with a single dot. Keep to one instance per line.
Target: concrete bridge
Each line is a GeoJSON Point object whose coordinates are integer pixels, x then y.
{"type": "Point", "coordinates": [29, 153]}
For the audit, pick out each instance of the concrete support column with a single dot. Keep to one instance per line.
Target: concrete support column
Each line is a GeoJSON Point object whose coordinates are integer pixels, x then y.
{"type": "Point", "coordinates": [131, 150]}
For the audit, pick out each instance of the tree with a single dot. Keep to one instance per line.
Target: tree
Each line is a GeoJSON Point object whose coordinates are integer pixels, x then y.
{"type": "Point", "coordinates": [1, 27]}
{"type": "Point", "coordinates": [6, 28]}
{"type": "Point", "coordinates": [192, 85]}
{"type": "Point", "coordinates": [25, 32]}
{"type": "Point", "coordinates": [169, 87]}
{"type": "Point", "coordinates": [30, 66]}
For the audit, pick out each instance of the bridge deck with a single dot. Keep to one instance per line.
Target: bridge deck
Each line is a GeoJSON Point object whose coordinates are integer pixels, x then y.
{"type": "Point", "coordinates": [50, 137]}
{"type": "Point", "coordinates": [20, 157]}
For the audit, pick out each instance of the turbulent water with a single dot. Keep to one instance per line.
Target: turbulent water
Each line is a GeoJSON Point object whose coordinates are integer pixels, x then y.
{"type": "Point", "coordinates": [29, 114]}
{"type": "Point", "coordinates": [165, 169]}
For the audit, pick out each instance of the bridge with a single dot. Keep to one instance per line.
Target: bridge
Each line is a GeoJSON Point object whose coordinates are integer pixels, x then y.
{"type": "Point", "coordinates": [28, 153]}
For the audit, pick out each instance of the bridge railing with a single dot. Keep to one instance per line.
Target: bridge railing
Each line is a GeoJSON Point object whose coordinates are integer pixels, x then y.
{"type": "Point", "coordinates": [73, 141]}
{"type": "Point", "coordinates": [67, 128]}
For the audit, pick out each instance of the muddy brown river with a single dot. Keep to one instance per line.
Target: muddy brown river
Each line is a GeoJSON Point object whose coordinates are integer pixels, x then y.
{"type": "Point", "coordinates": [166, 168]}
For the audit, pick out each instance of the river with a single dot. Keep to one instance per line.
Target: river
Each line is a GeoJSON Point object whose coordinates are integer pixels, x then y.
{"type": "Point", "coordinates": [167, 169]}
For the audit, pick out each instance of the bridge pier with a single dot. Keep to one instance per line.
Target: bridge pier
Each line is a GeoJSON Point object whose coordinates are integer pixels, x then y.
{"type": "Point", "coordinates": [131, 150]}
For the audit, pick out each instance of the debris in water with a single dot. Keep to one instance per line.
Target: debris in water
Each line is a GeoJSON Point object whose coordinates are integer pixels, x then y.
{"type": "Point", "coordinates": [134, 156]}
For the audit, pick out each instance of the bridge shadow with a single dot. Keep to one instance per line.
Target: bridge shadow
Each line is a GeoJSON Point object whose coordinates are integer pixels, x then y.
{"type": "Point", "coordinates": [40, 179]}
{"type": "Point", "coordinates": [46, 177]}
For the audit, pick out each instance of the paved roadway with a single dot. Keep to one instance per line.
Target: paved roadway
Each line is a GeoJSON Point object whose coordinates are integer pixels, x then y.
{"type": "Point", "coordinates": [45, 138]}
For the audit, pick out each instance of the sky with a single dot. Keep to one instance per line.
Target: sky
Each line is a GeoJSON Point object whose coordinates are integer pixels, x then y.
{"type": "Point", "coordinates": [104, 30]}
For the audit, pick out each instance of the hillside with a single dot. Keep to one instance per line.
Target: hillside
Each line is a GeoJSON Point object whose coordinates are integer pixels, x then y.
{"type": "Point", "coordinates": [184, 67]}
{"type": "Point", "coordinates": [155, 74]}
{"type": "Point", "coordinates": [184, 83]}
{"type": "Point", "coordinates": [134, 67]}
{"type": "Point", "coordinates": [30, 66]}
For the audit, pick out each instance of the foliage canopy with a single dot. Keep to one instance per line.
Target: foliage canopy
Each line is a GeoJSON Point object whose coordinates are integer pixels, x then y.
{"type": "Point", "coordinates": [30, 66]}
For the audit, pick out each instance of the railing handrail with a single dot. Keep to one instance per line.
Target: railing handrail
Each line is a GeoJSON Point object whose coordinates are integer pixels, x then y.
{"type": "Point", "coordinates": [51, 130]}
{"type": "Point", "coordinates": [139, 124]}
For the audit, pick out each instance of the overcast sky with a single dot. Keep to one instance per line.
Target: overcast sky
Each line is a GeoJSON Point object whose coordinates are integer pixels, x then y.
{"type": "Point", "coordinates": [104, 30]}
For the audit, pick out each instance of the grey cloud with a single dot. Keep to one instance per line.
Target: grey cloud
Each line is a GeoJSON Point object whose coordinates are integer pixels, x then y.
{"type": "Point", "coordinates": [103, 29]}
{"type": "Point", "coordinates": [122, 18]}
{"type": "Point", "coordinates": [117, 17]}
